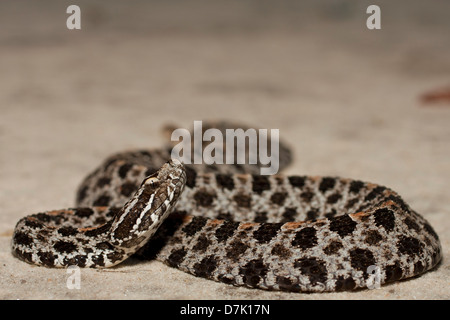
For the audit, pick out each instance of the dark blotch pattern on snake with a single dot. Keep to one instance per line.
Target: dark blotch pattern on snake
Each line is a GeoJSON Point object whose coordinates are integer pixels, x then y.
{"type": "Point", "coordinates": [229, 224]}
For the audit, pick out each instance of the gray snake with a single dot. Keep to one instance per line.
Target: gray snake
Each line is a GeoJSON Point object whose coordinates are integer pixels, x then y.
{"type": "Point", "coordinates": [229, 224]}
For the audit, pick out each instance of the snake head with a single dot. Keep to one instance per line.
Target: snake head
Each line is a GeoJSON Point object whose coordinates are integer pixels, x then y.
{"type": "Point", "coordinates": [142, 215]}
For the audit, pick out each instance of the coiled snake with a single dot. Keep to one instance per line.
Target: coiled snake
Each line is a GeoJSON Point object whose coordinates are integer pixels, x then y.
{"type": "Point", "coordinates": [229, 224]}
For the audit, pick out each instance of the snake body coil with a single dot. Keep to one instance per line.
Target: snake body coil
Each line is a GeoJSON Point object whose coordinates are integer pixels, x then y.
{"type": "Point", "coordinates": [292, 233]}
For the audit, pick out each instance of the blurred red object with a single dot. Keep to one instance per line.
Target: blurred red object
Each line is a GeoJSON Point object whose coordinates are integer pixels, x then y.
{"type": "Point", "coordinates": [437, 96]}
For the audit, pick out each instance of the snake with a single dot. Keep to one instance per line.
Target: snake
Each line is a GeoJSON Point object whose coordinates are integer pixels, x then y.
{"type": "Point", "coordinates": [227, 223]}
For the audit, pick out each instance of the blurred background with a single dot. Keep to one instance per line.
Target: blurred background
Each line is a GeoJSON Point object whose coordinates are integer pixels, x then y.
{"type": "Point", "coordinates": [349, 101]}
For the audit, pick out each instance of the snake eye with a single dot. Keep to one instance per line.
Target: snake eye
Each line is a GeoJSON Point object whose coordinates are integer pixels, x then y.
{"type": "Point", "coordinates": [151, 180]}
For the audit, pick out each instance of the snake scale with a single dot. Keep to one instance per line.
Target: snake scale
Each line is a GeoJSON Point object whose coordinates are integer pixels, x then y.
{"type": "Point", "coordinates": [228, 223]}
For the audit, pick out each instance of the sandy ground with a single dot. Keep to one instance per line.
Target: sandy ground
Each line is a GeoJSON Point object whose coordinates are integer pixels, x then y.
{"type": "Point", "coordinates": [345, 98]}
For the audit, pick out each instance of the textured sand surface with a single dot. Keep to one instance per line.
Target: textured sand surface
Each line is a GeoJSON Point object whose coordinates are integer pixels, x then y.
{"type": "Point", "coordinates": [345, 98]}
